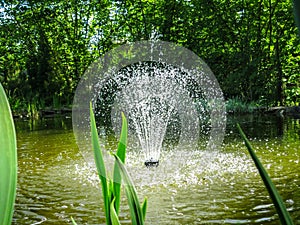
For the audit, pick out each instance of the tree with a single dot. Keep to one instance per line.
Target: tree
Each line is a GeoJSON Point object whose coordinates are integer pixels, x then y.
{"type": "Point", "coordinates": [251, 46]}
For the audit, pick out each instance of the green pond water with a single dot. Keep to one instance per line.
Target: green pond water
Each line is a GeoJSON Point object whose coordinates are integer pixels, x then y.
{"type": "Point", "coordinates": [221, 187]}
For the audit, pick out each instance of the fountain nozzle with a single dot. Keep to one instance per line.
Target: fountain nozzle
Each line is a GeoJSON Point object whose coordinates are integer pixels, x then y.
{"type": "Point", "coordinates": [151, 163]}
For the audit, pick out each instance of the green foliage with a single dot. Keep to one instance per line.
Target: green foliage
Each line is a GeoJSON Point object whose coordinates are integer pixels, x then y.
{"type": "Point", "coordinates": [111, 189]}
{"type": "Point", "coordinates": [113, 215]}
{"type": "Point", "coordinates": [100, 167]}
{"type": "Point", "coordinates": [8, 161]}
{"type": "Point", "coordinates": [144, 208]}
{"type": "Point", "coordinates": [251, 46]}
{"type": "Point", "coordinates": [136, 212]}
{"type": "Point", "coordinates": [73, 221]}
{"type": "Point", "coordinates": [121, 151]}
{"type": "Point", "coordinates": [237, 105]}
{"type": "Point", "coordinates": [276, 198]}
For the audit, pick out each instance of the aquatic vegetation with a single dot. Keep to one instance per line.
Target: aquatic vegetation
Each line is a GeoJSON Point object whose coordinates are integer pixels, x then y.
{"type": "Point", "coordinates": [236, 105]}
{"type": "Point", "coordinates": [276, 198]}
{"type": "Point", "coordinates": [111, 189]}
{"type": "Point", "coordinates": [8, 161]}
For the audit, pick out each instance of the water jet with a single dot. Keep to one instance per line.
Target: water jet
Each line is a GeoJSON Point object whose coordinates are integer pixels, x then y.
{"type": "Point", "coordinates": [169, 95]}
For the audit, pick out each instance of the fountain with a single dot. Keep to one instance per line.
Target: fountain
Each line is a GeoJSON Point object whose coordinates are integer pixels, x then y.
{"type": "Point", "coordinates": [150, 100]}
{"type": "Point", "coordinates": [169, 95]}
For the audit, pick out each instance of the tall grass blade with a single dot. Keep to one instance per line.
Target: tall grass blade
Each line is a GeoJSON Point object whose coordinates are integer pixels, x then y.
{"type": "Point", "coordinates": [133, 201]}
{"type": "Point", "coordinates": [8, 161]}
{"type": "Point", "coordinates": [100, 165]}
{"type": "Point", "coordinates": [144, 208]}
{"type": "Point", "coordinates": [113, 214]}
{"type": "Point", "coordinates": [73, 221]}
{"type": "Point", "coordinates": [277, 200]}
{"type": "Point", "coordinates": [121, 152]}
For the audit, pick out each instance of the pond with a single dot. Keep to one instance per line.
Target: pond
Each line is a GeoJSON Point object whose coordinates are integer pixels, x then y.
{"type": "Point", "coordinates": [55, 183]}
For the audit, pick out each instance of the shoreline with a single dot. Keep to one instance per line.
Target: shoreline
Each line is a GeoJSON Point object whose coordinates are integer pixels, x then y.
{"type": "Point", "coordinates": [290, 111]}
{"type": "Point", "coordinates": [43, 113]}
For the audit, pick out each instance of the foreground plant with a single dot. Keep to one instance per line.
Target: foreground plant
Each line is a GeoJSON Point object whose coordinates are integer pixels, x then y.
{"type": "Point", "coordinates": [282, 212]}
{"type": "Point", "coordinates": [8, 161]}
{"type": "Point", "coordinates": [111, 189]}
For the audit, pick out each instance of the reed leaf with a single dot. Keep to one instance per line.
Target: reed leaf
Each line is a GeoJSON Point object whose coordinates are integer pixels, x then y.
{"type": "Point", "coordinates": [133, 201]}
{"type": "Point", "coordinates": [100, 165]}
{"type": "Point", "coordinates": [113, 214]}
{"type": "Point", "coordinates": [73, 221]}
{"type": "Point", "coordinates": [121, 153]}
{"type": "Point", "coordinates": [144, 208]}
{"type": "Point", "coordinates": [276, 198]}
{"type": "Point", "coordinates": [8, 161]}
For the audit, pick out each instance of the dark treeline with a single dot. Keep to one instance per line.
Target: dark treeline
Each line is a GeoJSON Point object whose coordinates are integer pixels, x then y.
{"type": "Point", "coordinates": [251, 45]}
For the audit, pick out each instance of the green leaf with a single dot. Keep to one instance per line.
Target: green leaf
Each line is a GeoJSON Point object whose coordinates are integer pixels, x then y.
{"type": "Point", "coordinates": [134, 205]}
{"type": "Point", "coordinates": [73, 221]}
{"type": "Point", "coordinates": [144, 208]}
{"type": "Point", "coordinates": [276, 198]}
{"type": "Point", "coordinates": [113, 214]}
{"type": "Point", "coordinates": [110, 193]}
{"type": "Point", "coordinates": [121, 152]}
{"type": "Point", "coordinates": [8, 161]}
{"type": "Point", "coordinates": [100, 165]}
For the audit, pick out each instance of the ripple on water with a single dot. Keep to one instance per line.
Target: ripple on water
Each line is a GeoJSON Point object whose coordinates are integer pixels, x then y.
{"type": "Point", "coordinates": [189, 187]}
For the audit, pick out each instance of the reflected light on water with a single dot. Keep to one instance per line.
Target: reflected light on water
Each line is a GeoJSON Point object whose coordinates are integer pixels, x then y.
{"type": "Point", "coordinates": [55, 183]}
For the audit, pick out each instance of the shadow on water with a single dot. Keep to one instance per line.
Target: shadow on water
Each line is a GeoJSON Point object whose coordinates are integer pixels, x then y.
{"type": "Point", "coordinates": [53, 122]}
{"type": "Point", "coordinates": [223, 187]}
{"type": "Point", "coordinates": [265, 126]}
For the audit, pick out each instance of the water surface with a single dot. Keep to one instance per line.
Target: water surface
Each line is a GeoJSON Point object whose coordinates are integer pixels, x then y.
{"type": "Point", "coordinates": [221, 187]}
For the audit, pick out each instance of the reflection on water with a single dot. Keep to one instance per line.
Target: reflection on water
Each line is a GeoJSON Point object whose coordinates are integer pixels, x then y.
{"type": "Point", "coordinates": [54, 182]}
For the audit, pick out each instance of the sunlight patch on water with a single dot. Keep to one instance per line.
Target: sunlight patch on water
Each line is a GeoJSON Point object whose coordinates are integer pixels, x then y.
{"type": "Point", "coordinates": [181, 168]}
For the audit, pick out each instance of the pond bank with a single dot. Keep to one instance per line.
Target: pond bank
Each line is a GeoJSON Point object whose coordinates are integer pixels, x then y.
{"type": "Point", "coordinates": [44, 113]}
{"type": "Point", "coordinates": [291, 111]}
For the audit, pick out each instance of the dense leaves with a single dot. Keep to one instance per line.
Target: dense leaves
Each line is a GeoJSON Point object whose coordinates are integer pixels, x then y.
{"type": "Point", "coordinates": [45, 46]}
{"type": "Point", "coordinates": [111, 188]}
